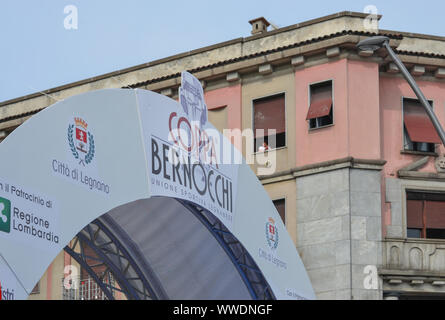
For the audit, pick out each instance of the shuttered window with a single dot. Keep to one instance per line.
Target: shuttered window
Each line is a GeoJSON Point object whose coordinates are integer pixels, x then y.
{"type": "Point", "coordinates": [320, 111]}
{"type": "Point", "coordinates": [435, 214]}
{"type": "Point", "coordinates": [425, 215]}
{"type": "Point", "coordinates": [269, 114]}
{"type": "Point", "coordinates": [415, 214]}
{"type": "Point", "coordinates": [420, 134]}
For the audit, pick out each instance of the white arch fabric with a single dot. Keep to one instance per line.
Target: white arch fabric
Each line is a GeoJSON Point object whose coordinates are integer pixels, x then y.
{"type": "Point", "coordinates": [91, 153]}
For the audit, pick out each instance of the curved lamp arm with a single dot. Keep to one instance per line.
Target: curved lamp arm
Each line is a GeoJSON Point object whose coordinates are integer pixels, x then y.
{"type": "Point", "coordinates": [378, 42]}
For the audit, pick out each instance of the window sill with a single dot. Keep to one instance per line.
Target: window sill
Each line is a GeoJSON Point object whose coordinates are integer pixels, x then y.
{"type": "Point", "coordinates": [320, 128]}
{"type": "Point", "coordinates": [426, 241]}
{"type": "Point", "coordinates": [420, 153]}
{"type": "Point", "coordinates": [415, 240]}
{"type": "Point", "coordinates": [276, 149]}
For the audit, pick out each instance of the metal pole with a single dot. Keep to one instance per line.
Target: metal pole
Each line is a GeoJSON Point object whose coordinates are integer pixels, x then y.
{"type": "Point", "coordinates": [417, 91]}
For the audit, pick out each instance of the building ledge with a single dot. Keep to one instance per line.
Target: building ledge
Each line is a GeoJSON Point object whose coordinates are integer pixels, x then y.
{"type": "Point", "coordinates": [420, 153]}
{"type": "Point", "coordinates": [348, 162]}
{"type": "Point", "coordinates": [416, 240]}
{"type": "Point", "coordinates": [408, 275]}
{"type": "Point", "coordinates": [415, 175]}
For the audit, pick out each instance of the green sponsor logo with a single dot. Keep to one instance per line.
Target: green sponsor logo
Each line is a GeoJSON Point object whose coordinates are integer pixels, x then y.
{"type": "Point", "coordinates": [5, 215]}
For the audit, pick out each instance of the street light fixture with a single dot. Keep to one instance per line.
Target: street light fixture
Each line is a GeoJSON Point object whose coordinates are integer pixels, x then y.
{"type": "Point", "coordinates": [378, 42]}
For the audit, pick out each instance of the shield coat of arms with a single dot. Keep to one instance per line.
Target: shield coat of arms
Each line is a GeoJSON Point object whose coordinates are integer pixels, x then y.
{"type": "Point", "coordinates": [81, 141]}
{"type": "Point", "coordinates": [272, 234]}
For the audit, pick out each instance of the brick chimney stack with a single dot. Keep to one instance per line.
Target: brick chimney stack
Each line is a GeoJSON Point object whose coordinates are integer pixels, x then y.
{"type": "Point", "coordinates": [259, 25]}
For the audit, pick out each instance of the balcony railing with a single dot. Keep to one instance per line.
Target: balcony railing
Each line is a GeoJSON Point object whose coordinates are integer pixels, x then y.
{"type": "Point", "coordinates": [415, 255]}
{"type": "Point", "coordinates": [84, 289]}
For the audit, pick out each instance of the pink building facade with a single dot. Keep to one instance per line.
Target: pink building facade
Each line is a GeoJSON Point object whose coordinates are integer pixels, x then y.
{"type": "Point", "coordinates": [362, 196]}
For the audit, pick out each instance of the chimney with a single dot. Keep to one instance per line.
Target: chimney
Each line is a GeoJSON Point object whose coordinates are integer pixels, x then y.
{"type": "Point", "coordinates": [259, 25]}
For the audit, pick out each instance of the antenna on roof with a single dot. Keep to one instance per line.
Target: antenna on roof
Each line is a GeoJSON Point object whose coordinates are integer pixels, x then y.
{"type": "Point", "coordinates": [46, 94]}
{"type": "Point", "coordinates": [123, 85]}
{"type": "Point", "coordinates": [273, 25]}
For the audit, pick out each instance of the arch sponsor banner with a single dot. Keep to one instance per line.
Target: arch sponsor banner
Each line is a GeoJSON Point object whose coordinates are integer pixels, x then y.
{"type": "Point", "coordinates": [185, 156]}
{"type": "Point", "coordinates": [84, 156]}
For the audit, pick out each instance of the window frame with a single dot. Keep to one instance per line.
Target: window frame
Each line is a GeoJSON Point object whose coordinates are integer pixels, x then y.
{"type": "Point", "coordinates": [423, 232]}
{"type": "Point", "coordinates": [252, 109]}
{"type": "Point", "coordinates": [332, 81]}
{"type": "Point", "coordinates": [405, 132]}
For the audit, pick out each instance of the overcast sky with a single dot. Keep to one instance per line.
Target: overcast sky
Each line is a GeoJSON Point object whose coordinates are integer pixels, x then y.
{"type": "Point", "coordinates": [37, 52]}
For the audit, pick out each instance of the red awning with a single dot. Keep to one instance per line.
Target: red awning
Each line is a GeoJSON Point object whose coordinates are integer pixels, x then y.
{"type": "Point", "coordinates": [321, 101]}
{"type": "Point", "coordinates": [419, 125]}
{"type": "Point", "coordinates": [319, 108]}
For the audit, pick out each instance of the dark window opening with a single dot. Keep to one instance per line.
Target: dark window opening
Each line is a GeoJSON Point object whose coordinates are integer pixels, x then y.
{"type": "Point", "coordinates": [320, 113]}
{"type": "Point", "coordinates": [269, 114]}
{"type": "Point", "coordinates": [419, 132]}
{"type": "Point", "coordinates": [36, 288]}
{"type": "Point", "coordinates": [435, 233]}
{"type": "Point", "coordinates": [414, 233]}
{"type": "Point", "coordinates": [322, 121]}
{"type": "Point", "coordinates": [280, 205]}
{"type": "Point", "coordinates": [425, 215]}
{"type": "Point", "coordinates": [418, 146]}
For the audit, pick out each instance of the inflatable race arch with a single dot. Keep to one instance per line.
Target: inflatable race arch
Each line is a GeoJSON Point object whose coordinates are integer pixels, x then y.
{"type": "Point", "coordinates": [136, 177]}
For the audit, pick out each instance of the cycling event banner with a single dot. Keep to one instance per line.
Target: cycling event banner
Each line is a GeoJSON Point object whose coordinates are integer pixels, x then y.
{"type": "Point", "coordinates": [88, 154]}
